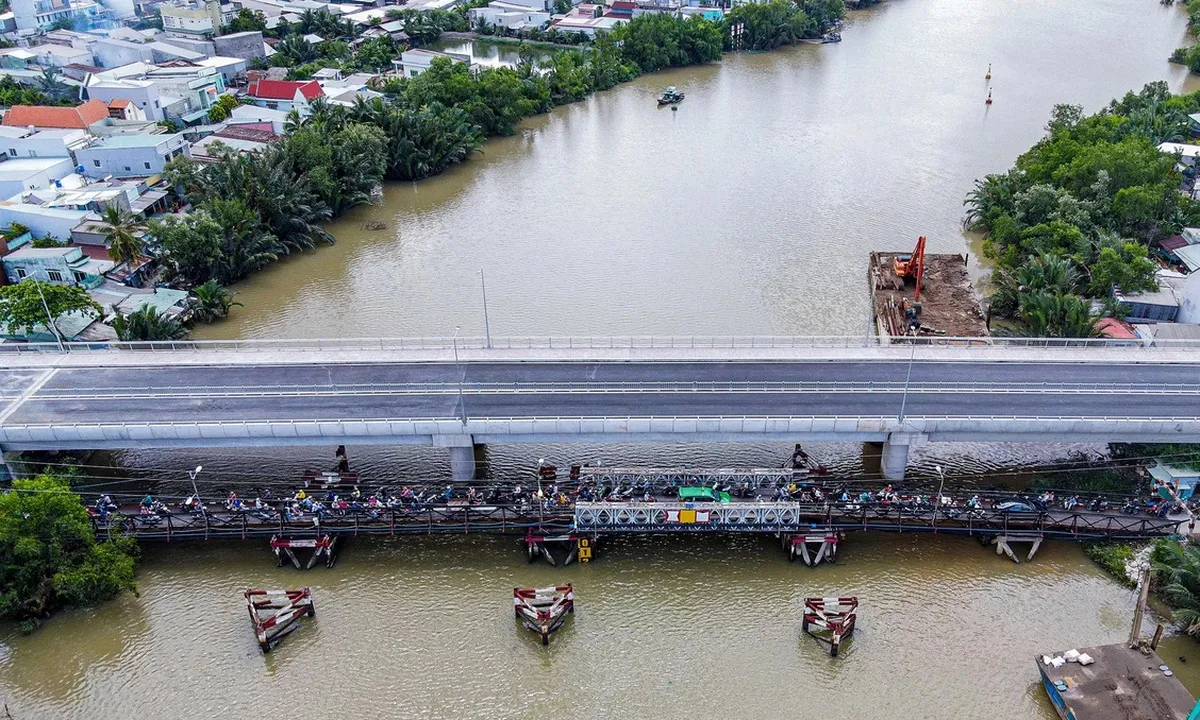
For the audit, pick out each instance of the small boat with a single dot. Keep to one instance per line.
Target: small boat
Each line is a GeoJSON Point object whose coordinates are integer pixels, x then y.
{"type": "Point", "coordinates": [670, 96]}
{"type": "Point", "coordinates": [544, 610]}
{"type": "Point", "coordinates": [989, 98]}
{"type": "Point", "coordinates": [326, 479]}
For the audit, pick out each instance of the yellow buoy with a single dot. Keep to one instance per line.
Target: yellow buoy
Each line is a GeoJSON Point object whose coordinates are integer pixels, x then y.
{"type": "Point", "coordinates": [989, 73]}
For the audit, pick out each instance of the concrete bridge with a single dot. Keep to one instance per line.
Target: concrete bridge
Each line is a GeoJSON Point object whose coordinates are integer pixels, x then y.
{"type": "Point", "coordinates": [460, 393]}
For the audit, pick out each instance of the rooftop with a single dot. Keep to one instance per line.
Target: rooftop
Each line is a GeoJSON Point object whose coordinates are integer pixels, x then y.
{"type": "Point", "coordinates": [1181, 148]}
{"type": "Point", "coordinates": [21, 168]}
{"type": "Point", "coordinates": [284, 89]}
{"type": "Point", "coordinates": [134, 141]}
{"type": "Point", "coordinates": [79, 116]}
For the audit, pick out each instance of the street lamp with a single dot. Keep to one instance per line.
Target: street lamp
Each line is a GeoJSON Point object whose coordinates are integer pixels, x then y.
{"type": "Point", "coordinates": [907, 378]}
{"type": "Point", "coordinates": [462, 407]}
{"type": "Point", "coordinates": [487, 328]}
{"type": "Point", "coordinates": [941, 485]}
{"type": "Point", "coordinates": [195, 492]}
{"type": "Point", "coordinates": [49, 318]}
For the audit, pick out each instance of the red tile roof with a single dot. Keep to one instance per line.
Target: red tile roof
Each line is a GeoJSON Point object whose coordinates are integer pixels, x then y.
{"type": "Point", "coordinates": [1172, 243]}
{"type": "Point", "coordinates": [118, 103]}
{"type": "Point", "coordinates": [1115, 329]}
{"type": "Point", "coordinates": [45, 116]}
{"type": "Point", "coordinates": [285, 89]}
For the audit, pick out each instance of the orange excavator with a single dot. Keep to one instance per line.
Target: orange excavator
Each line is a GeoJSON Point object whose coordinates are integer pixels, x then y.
{"type": "Point", "coordinates": [912, 266]}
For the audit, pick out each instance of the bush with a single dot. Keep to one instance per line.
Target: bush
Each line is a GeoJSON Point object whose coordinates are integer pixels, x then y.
{"type": "Point", "coordinates": [1112, 557]}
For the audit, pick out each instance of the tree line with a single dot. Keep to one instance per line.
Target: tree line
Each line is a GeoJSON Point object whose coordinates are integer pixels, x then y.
{"type": "Point", "coordinates": [1076, 217]}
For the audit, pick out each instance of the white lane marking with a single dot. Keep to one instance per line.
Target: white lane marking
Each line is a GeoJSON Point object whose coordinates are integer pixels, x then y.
{"type": "Point", "coordinates": [29, 392]}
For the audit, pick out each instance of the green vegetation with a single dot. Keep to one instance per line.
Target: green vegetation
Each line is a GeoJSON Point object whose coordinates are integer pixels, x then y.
{"type": "Point", "coordinates": [1114, 482]}
{"type": "Point", "coordinates": [15, 93]}
{"type": "Point", "coordinates": [1112, 557]}
{"type": "Point", "coordinates": [222, 108]}
{"type": "Point", "coordinates": [147, 324]}
{"type": "Point", "coordinates": [246, 21]}
{"type": "Point", "coordinates": [211, 302]}
{"type": "Point", "coordinates": [1189, 56]}
{"type": "Point", "coordinates": [123, 235]}
{"type": "Point", "coordinates": [1075, 217]}
{"type": "Point", "coordinates": [1180, 455]}
{"type": "Point", "coordinates": [1177, 577]}
{"type": "Point", "coordinates": [49, 556]}
{"type": "Point", "coordinates": [22, 309]}
{"type": "Point", "coordinates": [250, 210]}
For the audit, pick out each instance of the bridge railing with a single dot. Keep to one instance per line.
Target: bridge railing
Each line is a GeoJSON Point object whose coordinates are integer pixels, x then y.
{"type": "Point", "coordinates": [632, 342]}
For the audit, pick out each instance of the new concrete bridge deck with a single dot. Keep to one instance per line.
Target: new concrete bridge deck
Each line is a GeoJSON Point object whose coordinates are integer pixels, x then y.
{"type": "Point", "coordinates": [458, 393]}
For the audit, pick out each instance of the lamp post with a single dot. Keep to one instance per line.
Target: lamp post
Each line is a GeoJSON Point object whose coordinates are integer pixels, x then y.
{"type": "Point", "coordinates": [941, 485]}
{"type": "Point", "coordinates": [462, 407]}
{"type": "Point", "coordinates": [196, 492]}
{"type": "Point", "coordinates": [487, 327]}
{"type": "Point", "coordinates": [907, 378]}
{"type": "Point", "coordinates": [49, 318]}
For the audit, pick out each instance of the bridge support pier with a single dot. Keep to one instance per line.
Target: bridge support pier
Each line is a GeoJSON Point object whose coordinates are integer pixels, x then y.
{"type": "Point", "coordinates": [462, 455]}
{"type": "Point", "coordinates": [895, 454]}
{"type": "Point", "coordinates": [1004, 545]}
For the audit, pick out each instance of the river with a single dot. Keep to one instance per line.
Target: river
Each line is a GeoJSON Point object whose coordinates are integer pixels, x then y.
{"type": "Point", "coordinates": [750, 210]}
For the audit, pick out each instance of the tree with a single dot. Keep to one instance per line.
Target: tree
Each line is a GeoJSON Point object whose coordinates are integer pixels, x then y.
{"type": "Point", "coordinates": [222, 108]}
{"type": "Point", "coordinates": [49, 556]}
{"type": "Point", "coordinates": [246, 21]}
{"type": "Point", "coordinates": [122, 234]}
{"type": "Point", "coordinates": [191, 245]}
{"type": "Point", "coordinates": [210, 302]}
{"type": "Point", "coordinates": [51, 84]}
{"type": "Point", "coordinates": [147, 324]}
{"type": "Point", "coordinates": [22, 311]}
{"type": "Point", "coordinates": [1177, 571]}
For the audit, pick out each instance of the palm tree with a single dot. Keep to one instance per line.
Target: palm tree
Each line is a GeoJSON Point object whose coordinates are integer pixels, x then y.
{"type": "Point", "coordinates": [123, 235]}
{"type": "Point", "coordinates": [211, 301]}
{"type": "Point", "coordinates": [50, 84]}
{"type": "Point", "coordinates": [1177, 569]}
{"type": "Point", "coordinates": [147, 324]}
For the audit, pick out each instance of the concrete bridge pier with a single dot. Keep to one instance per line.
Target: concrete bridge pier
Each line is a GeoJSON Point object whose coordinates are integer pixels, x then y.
{"type": "Point", "coordinates": [895, 454]}
{"type": "Point", "coordinates": [462, 455]}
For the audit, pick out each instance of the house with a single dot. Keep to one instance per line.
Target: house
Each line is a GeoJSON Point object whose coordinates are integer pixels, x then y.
{"type": "Point", "coordinates": [126, 156]}
{"type": "Point", "coordinates": [245, 45]}
{"type": "Point", "coordinates": [230, 68]}
{"type": "Point", "coordinates": [115, 53]}
{"type": "Point", "coordinates": [179, 90]}
{"type": "Point", "coordinates": [1187, 153]}
{"type": "Point", "coordinates": [45, 116]}
{"type": "Point", "coordinates": [122, 109]}
{"type": "Point", "coordinates": [22, 142]}
{"type": "Point", "coordinates": [239, 138]}
{"type": "Point", "coordinates": [59, 56]}
{"type": "Point", "coordinates": [584, 23]}
{"type": "Point", "coordinates": [23, 174]}
{"type": "Point", "coordinates": [18, 59]}
{"type": "Point", "coordinates": [199, 19]}
{"type": "Point", "coordinates": [58, 265]}
{"type": "Point", "coordinates": [708, 12]}
{"type": "Point", "coordinates": [412, 63]}
{"type": "Point", "coordinates": [37, 14]}
{"type": "Point", "coordinates": [1160, 305]}
{"type": "Point", "coordinates": [255, 115]}
{"type": "Point", "coordinates": [1182, 479]}
{"type": "Point", "coordinates": [508, 14]}
{"type": "Point", "coordinates": [284, 95]}
{"type": "Point", "coordinates": [622, 9]}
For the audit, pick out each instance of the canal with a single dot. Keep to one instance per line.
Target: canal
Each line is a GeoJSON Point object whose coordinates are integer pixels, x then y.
{"type": "Point", "coordinates": [750, 210]}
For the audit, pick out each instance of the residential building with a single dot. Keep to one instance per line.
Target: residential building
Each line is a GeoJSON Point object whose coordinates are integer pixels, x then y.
{"type": "Point", "coordinates": [284, 95]}
{"type": "Point", "coordinates": [18, 59]}
{"type": "Point", "coordinates": [199, 45]}
{"type": "Point", "coordinates": [38, 14]}
{"type": "Point", "coordinates": [1160, 305]}
{"type": "Point", "coordinates": [116, 53]}
{"type": "Point", "coordinates": [1187, 153]}
{"type": "Point", "coordinates": [255, 115]}
{"type": "Point", "coordinates": [179, 90]}
{"type": "Point", "coordinates": [45, 116]}
{"type": "Point", "coordinates": [125, 156]}
{"type": "Point", "coordinates": [244, 45]}
{"type": "Point", "coordinates": [199, 19]}
{"type": "Point", "coordinates": [240, 138]}
{"type": "Point", "coordinates": [122, 109]}
{"type": "Point", "coordinates": [583, 23]}
{"type": "Point", "coordinates": [22, 174]}
{"type": "Point", "coordinates": [230, 68]}
{"type": "Point", "coordinates": [412, 63]}
{"type": "Point", "coordinates": [58, 265]}
{"type": "Point", "coordinates": [58, 56]}
{"type": "Point", "coordinates": [22, 142]}
{"type": "Point", "coordinates": [1181, 479]}
{"type": "Point", "coordinates": [507, 14]}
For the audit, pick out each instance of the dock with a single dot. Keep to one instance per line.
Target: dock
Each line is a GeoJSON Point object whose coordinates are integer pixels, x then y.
{"type": "Point", "coordinates": [949, 304]}
{"type": "Point", "coordinates": [1120, 684]}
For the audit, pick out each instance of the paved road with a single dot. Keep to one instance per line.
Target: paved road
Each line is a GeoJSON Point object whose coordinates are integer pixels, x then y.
{"type": "Point", "coordinates": [570, 389]}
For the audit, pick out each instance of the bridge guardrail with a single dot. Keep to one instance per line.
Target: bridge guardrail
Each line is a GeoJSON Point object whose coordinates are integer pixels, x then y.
{"type": "Point", "coordinates": [631, 342]}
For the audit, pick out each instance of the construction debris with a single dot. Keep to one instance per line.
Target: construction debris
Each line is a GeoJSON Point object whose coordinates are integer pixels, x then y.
{"type": "Point", "coordinates": [276, 613]}
{"type": "Point", "coordinates": [947, 304]}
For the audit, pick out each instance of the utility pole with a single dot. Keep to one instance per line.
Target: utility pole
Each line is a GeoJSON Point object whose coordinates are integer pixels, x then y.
{"type": "Point", "coordinates": [487, 327]}
{"type": "Point", "coordinates": [941, 485]}
{"type": "Point", "coordinates": [195, 492]}
{"type": "Point", "coordinates": [907, 378]}
{"type": "Point", "coordinates": [462, 407]}
{"type": "Point", "coordinates": [49, 318]}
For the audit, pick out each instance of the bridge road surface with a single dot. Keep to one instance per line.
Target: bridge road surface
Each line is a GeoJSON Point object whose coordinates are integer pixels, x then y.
{"type": "Point", "coordinates": [358, 391]}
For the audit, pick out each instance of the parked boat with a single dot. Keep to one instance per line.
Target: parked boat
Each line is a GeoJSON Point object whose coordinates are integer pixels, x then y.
{"type": "Point", "coordinates": [325, 479]}
{"type": "Point", "coordinates": [544, 610]}
{"type": "Point", "coordinates": [670, 96]}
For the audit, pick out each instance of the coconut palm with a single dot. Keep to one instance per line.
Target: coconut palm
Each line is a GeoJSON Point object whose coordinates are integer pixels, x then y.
{"type": "Point", "coordinates": [1177, 570]}
{"type": "Point", "coordinates": [147, 324]}
{"type": "Point", "coordinates": [211, 301]}
{"type": "Point", "coordinates": [123, 235]}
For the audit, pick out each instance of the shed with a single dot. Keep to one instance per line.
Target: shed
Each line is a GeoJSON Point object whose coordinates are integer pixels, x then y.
{"type": "Point", "coordinates": [1183, 479]}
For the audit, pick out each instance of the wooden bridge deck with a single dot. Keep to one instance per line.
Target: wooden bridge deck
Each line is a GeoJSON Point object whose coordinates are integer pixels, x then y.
{"type": "Point", "coordinates": [600, 518]}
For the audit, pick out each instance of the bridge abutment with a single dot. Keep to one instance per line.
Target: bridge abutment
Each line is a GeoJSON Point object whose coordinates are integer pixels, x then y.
{"type": "Point", "coordinates": [895, 454]}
